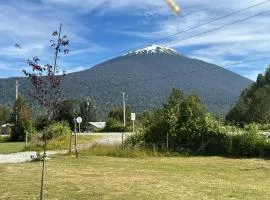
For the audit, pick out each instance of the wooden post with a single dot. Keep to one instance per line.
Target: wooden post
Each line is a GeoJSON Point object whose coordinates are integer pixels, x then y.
{"type": "Point", "coordinates": [75, 135]}
{"type": "Point", "coordinates": [70, 143]}
{"type": "Point", "coordinates": [167, 145]}
{"type": "Point", "coordinates": [26, 138]}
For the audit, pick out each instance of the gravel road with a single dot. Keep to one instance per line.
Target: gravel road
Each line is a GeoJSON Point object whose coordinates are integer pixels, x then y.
{"type": "Point", "coordinates": [106, 138]}
{"type": "Point", "coordinates": [22, 156]}
{"type": "Point", "coordinates": [110, 138]}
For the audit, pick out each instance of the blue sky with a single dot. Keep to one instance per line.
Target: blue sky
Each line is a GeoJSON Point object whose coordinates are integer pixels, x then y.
{"type": "Point", "coordinates": [103, 28]}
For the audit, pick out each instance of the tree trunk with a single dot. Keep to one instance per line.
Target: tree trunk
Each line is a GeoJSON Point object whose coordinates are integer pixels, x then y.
{"type": "Point", "coordinates": [43, 168]}
{"type": "Point", "coordinates": [26, 138]}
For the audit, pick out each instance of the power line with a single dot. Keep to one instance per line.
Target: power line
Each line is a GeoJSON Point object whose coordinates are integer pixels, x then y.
{"type": "Point", "coordinates": [180, 32]}
{"type": "Point", "coordinates": [217, 28]}
{"type": "Point", "coordinates": [247, 61]}
{"type": "Point", "coordinates": [209, 22]}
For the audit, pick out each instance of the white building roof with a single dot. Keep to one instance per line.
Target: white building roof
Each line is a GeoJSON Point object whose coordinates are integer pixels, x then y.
{"type": "Point", "coordinates": [5, 125]}
{"type": "Point", "coordinates": [98, 124]}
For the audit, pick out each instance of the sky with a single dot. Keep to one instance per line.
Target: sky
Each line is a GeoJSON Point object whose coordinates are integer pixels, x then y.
{"type": "Point", "coordinates": [100, 29]}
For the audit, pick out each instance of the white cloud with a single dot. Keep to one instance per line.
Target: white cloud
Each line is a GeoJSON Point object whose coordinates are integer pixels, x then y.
{"type": "Point", "coordinates": [111, 6]}
{"type": "Point", "coordinates": [75, 69]}
{"type": "Point", "coordinates": [93, 48]}
{"type": "Point", "coordinates": [29, 23]}
{"type": "Point", "coordinates": [252, 74]}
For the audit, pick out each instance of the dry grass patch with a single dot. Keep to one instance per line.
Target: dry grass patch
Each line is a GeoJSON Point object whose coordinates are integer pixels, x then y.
{"type": "Point", "coordinates": [91, 177]}
{"type": "Point", "coordinates": [60, 144]}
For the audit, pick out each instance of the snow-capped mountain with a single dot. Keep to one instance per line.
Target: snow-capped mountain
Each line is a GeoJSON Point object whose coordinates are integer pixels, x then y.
{"type": "Point", "coordinates": [154, 49]}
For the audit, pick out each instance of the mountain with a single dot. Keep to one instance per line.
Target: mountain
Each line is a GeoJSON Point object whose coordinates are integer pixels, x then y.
{"type": "Point", "coordinates": [147, 76]}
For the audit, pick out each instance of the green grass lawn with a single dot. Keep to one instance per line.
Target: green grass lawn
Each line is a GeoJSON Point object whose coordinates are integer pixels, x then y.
{"type": "Point", "coordinates": [93, 177]}
{"type": "Point", "coordinates": [11, 147]}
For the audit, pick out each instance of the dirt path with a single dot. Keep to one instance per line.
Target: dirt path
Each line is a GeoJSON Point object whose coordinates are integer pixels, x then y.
{"type": "Point", "coordinates": [23, 156]}
{"type": "Point", "coordinates": [106, 138]}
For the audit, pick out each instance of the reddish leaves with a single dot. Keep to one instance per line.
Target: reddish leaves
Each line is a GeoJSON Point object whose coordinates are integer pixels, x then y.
{"type": "Point", "coordinates": [45, 81]}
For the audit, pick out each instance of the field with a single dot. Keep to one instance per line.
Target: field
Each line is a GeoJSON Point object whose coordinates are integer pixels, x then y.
{"type": "Point", "coordinates": [11, 147]}
{"type": "Point", "coordinates": [98, 177]}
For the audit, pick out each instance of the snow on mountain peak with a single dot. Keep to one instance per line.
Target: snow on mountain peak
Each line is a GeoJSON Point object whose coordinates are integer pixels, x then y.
{"type": "Point", "coordinates": [152, 49]}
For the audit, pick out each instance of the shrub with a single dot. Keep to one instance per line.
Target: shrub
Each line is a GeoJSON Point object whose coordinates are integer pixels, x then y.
{"type": "Point", "coordinates": [156, 128]}
{"type": "Point", "coordinates": [266, 148]}
{"type": "Point", "coordinates": [196, 131]}
{"type": "Point", "coordinates": [57, 130]}
{"type": "Point", "coordinates": [264, 127]}
{"type": "Point", "coordinates": [135, 140]}
{"type": "Point", "coordinates": [253, 127]}
{"type": "Point", "coordinates": [248, 144]}
{"type": "Point", "coordinates": [113, 125]}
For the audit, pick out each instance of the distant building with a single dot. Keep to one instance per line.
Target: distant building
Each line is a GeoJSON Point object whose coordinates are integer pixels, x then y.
{"type": "Point", "coordinates": [6, 129]}
{"type": "Point", "coordinates": [96, 125]}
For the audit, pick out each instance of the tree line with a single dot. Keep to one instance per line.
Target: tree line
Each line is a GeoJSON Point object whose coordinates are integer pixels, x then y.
{"type": "Point", "coordinates": [22, 120]}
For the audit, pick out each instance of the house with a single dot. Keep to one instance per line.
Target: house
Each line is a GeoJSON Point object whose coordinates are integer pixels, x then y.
{"type": "Point", "coordinates": [96, 125]}
{"type": "Point", "coordinates": [6, 129]}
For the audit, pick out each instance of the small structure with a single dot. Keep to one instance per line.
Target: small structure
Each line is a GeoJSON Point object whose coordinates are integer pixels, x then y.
{"type": "Point", "coordinates": [6, 129]}
{"type": "Point", "coordinates": [96, 125]}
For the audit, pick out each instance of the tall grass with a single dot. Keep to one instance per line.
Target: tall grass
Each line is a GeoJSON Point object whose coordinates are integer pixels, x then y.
{"type": "Point", "coordinates": [127, 152]}
{"type": "Point", "coordinates": [4, 139]}
{"type": "Point", "coordinates": [58, 144]}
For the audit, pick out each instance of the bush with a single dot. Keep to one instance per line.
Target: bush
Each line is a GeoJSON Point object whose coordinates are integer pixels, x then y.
{"type": "Point", "coordinates": [135, 140]}
{"type": "Point", "coordinates": [156, 128]}
{"type": "Point", "coordinates": [57, 130]}
{"type": "Point", "coordinates": [113, 125]}
{"type": "Point", "coordinates": [264, 127]}
{"type": "Point", "coordinates": [193, 129]}
{"type": "Point", "coordinates": [248, 144]}
{"type": "Point", "coordinates": [209, 136]}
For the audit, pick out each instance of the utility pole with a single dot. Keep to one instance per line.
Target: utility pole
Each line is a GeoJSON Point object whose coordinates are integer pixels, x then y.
{"type": "Point", "coordinates": [87, 115]}
{"type": "Point", "coordinates": [124, 117]}
{"type": "Point", "coordinates": [124, 108]}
